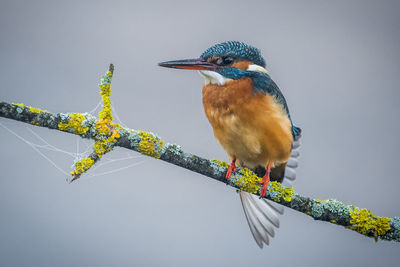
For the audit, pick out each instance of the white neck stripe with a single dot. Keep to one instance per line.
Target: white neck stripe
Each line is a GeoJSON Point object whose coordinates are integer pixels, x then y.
{"type": "Point", "coordinates": [257, 68]}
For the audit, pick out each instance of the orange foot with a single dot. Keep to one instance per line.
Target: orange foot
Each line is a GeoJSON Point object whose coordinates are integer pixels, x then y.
{"type": "Point", "coordinates": [231, 168]}
{"type": "Point", "coordinates": [265, 181]}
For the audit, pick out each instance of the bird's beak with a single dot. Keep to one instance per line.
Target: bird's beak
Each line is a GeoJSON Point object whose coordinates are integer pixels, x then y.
{"type": "Point", "coordinates": [189, 64]}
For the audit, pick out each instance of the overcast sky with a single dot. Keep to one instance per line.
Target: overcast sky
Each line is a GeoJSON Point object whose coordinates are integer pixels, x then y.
{"type": "Point", "coordinates": [336, 62]}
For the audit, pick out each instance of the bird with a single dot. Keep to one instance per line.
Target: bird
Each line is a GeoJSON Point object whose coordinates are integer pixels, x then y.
{"type": "Point", "coordinates": [250, 118]}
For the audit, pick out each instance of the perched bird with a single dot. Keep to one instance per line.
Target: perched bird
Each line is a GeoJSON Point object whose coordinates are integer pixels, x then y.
{"type": "Point", "coordinates": [251, 120]}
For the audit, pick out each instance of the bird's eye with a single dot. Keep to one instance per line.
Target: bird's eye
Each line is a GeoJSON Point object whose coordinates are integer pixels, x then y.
{"type": "Point", "coordinates": [227, 60]}
{"type": "Point", "coordinates": [221, 61]}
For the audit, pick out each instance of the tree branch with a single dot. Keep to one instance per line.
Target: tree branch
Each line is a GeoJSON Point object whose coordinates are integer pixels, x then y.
{"type": "Point", "coordinates": [107, 134]}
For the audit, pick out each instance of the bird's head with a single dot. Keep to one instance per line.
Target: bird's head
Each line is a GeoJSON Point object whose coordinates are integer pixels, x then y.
{"type": "Point", "coordinates": [223, 62]}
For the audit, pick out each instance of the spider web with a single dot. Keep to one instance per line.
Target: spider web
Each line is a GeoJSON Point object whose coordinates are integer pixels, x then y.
{"type": "Point", "coordinates": [60, 158]}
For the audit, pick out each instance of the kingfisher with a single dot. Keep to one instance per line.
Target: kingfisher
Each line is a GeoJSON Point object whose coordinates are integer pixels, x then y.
{"type": "Point", "coordinates": [250, 119]}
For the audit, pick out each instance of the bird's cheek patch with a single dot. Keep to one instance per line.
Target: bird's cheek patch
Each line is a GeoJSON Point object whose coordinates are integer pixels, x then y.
{"type": "Point", "coordinates": [242, 65]}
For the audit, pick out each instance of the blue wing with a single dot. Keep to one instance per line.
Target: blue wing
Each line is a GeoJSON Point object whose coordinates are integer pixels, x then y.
{"type": "Point", "coordinates": [264, 83]}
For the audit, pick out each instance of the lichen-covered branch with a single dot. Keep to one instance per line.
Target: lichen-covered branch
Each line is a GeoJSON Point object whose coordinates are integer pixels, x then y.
{"type": "Point", "coordinates": [107, 135]}
{"type": "Point", "coordinates": [105, 131]}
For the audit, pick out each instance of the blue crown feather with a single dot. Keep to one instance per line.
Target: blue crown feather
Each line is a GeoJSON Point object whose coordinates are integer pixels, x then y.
{"type": "Point", "coordinates": [237, 50]}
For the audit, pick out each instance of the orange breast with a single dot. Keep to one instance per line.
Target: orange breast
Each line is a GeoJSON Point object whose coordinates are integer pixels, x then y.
{"type": "Point", "coordinates": [253, 128]}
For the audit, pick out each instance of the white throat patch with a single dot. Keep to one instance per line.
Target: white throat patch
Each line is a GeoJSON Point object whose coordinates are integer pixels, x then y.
{"type": "Point", "coordinates": [213, 77]}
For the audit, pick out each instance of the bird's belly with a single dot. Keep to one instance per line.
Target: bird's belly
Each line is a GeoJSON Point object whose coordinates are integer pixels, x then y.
{"type": "Point", "coordinates": [253, 144]}
{"type": "Point", "coordinates": [255, 131]}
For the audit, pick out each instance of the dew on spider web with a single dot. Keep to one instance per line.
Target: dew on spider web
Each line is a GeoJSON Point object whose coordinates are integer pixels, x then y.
{"type": "Point", "coordinates": [63, 150]}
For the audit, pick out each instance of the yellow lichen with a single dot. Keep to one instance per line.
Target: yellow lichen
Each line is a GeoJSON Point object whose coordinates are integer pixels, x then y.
{"type": "Point", "coordinates": [106, 131]}
{"type": "Point", "coordinates": [107, 136]}
{"type": "Point", "coordinates": [100, 147]}
{"type": "Point", "coordinates": [366, 223]}
{"type": "Point", "coordinates": [149, 145]}
{"type": "Point", "coordinates": [32, 109]}
{"type": "Point", "coordinates": [249, 181]}
{"type": "Point", "coordinates": [22, 105]}
{"type": "Point", "coordinates": [105, 92]}
{"type": "Point", "coordinates": [81, 166]}
{"type": "Point", "coordinates": [277, 192]}
{"type": "Point", "coordinates": [221, 163]}
{"type": "Point", "coordinates": [74, 123]}
{"type": "Point", "coordinates": [103, 127]}
{"type": "Point", "coordinates": [36, 110]}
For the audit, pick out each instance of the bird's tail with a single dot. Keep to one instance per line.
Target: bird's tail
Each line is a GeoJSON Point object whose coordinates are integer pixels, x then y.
{"type": "Point", "coordinates": [262, 217]}
{"type": "Point", "coordinates": [261, 214]}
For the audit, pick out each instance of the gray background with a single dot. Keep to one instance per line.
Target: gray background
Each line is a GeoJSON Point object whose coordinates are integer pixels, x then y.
{"type": "Point", "coordinates": [337, 63]}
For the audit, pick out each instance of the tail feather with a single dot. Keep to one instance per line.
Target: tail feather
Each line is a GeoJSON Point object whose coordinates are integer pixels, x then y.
{"type": "Point", "coordinates": [256, 228]}
{"type": "Point", "coordinates": [276, 207]}
{"type": "Point", "coordinates": [292, 162]}
{"type": "Point", "coordinates": [264, 209]}
{"type": "Point", "coordinates": [262, 218]}
{"type": "Point", "coordinates": [295, 153]}
{"type": "Point", "coordinates": [261, 214]}
{"type": "Point", "coordinates": [290, 174]}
